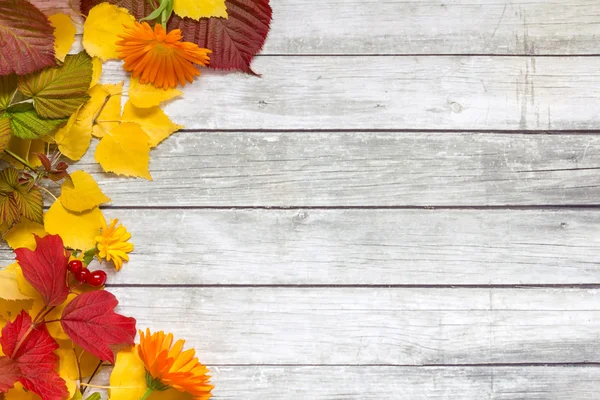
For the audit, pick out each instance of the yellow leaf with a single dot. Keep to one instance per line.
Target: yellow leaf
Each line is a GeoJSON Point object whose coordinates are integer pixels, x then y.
{"type": "Point", "coordinates": [147, 95]}
{"type": "Point", "coordinates": [125, 151]}
{"type": "Point", "coordinates": [21, 235]}
{"type": "Point", "coordinates": [77, 230]}
{"type": "Point", "coordinates": [195, 9]}
{"type": "Point", "coordinates": [19, 393]}
{"type": "Point", "coordinates": [24, 286]}
{"type": "Point", "coordinates": [110, 115]}
{"type": "Point", "coordinates": [9, 309]}
{"type": "Point", "coordinates": [83, 195]}
{"type": "Point", "coordinates": [9, 286]}
{"type": "Point", "coordinates": [101, 29]}
{"type": "Point", "coordinates": [152, 120]}
{"type": "Point", "coordinates": [96, 71]}
{"type": "Point", "coordinates": [55, 329]}
{"type": "Point", "coordinates": [37, 146]}
{"type": "Point", "coordinates": [64, 34]}
{"type": "Point", "coordinates": [128, 377]}
{"type": "Point", "coordinates": [74, 138]}
{"type": "Point", "coordinates": [20, 147]}
{"type": "Point", "coordinates": [67, 368]}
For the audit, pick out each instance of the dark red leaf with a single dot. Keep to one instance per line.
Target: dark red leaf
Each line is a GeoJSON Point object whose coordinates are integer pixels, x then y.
{"type": "Point", "coordinates": [46, 268]}
{"type": "Point", "coordinates": [26, 36]}
{"type": "Point", "coordinates": [32, 351]}
{"type": "Point", "coordinates": [90, 321]}
{"type": "Point", "coordinates": [45, 161]}
{"type": "Point", "coordinates": [234, 41]}
{"type": "Point", "coordinates": [9, 374]}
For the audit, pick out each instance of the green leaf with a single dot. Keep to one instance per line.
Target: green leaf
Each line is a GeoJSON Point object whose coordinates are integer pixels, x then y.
{"type": "Point", "coordinates": [19, 198]}
{"type": "Point", "coordinates": [26, 124]}
{"type": "Point", "coordinates": [95, 396]}
{"type": "Point", "coordinates": [26, 36]}
{"type": "Point", "coordinates": [9, 212]}
{"type": "Point", "coordinates": [4, 133]}
{"type": "Point", "coordinates": [58, 92]}
{"type": "Point", "coordinates": [8, 87]}
{"type": "Point", "coordinates": [30, 202]}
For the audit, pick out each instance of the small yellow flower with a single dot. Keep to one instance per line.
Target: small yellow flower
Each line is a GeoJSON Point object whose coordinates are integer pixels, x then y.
{"type": "Point", "coordinates": [113, 243]}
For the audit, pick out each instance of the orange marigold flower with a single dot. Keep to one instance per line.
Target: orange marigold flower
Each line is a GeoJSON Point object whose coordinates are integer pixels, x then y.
{"type": "Point", "coordinates": [159, 57]}
{"type": "Point", "coordinates": [168, 365]}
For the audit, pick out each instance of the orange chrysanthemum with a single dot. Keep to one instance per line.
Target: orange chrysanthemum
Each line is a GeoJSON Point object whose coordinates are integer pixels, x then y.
{"type": "Point", "coordinates": [159, 57]}
{"type": "Point", "coordinates": [171, 366]}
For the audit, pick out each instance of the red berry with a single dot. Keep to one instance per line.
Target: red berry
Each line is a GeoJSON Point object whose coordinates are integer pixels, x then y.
{"type": "Point", "coordinates": [75, 266]}
{"type": "Point", "coordinates": [97, 278]}
{"type": "Point", "coordinates": [83, 276]}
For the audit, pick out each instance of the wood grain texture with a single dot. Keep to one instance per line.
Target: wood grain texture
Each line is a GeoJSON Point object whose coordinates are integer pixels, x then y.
{"type": "Point", "coordinates": [300, 169]}
{"type": "Point", "coordinates": [394, 383]}
{"type": "Point", "coordinates": [511, 93]}
{"type": "Point", "coordinates": [374, 326]}
{"type": "Point", "coordinates": [427, 27]}
{"type": "Point", "coordinates": [359, 247]}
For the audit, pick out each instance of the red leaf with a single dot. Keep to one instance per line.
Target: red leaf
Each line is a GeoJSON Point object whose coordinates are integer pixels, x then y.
{"type": "Point", "coordinates": [46, 268]}
{"type": "Point", "coordinates": [9, 374]}
{"type": "Point", "coordinates": [90, 322]}
{"type": "Point", "coordinates": [26, 36]}
{"type": "Point", "coordinates": [234, 41]}
{"type": "Point", "coordinates": [32, 350]}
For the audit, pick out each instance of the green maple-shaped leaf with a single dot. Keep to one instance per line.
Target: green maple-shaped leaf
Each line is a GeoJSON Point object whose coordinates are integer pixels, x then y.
{"type": "Point", "coordinates": [57, 92]}
{"type": "Point", "coordinates": [25, 123]}
{"type": "Point", "coordinates": [18, 198]}
{"type": "Point", "coordinates": [27, 38]}
{"type": "Point", "coordinates": [30, 202]}
{"type": "Point", "coordinates": [4, 132]}
{"type": "Point", "coordinates": [8, 86]}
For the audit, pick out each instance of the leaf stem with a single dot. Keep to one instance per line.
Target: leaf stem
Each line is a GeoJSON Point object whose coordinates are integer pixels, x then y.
{"type": "Point", "coordinates": [19, 159]}
{"type": "Point", "coordinates": [85, 386]}
{"type": "Point", "coordinates": [78, 365]}
{"type": "Point", "coordinates": [95, 386]}
{"type": "Point", "coordinates": [147, 394]}
{"type": "Point", "coordinates": [48, 192]}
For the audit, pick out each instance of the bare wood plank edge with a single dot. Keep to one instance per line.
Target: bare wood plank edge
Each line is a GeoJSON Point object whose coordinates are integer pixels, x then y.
{"type": "Point", "coordinates": [393, 383]}
{"type": "Point", "coordinates": [393, 93]}
{"type": "Point", "coordinates": [366, 326]}
{"type": "Point", "coordinates": [358, 247]}
{"type": "Point", "coordinates": [426, 27]}
{"type": "Point", "coordinates": [248, 169]}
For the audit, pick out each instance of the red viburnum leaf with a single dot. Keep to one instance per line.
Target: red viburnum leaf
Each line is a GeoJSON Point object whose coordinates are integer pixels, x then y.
{"type": "Point", "coordinates": [9, 374]}
{"type": "Point", "coordinates": [46, 268]}
{"type": "Point", "coordinates": [90, 321]}
{"type": "Point", "coordinates": [26, 36]}
{"type": "Point", "coordinates": [234, 41]}
{"type": "Point", "coordinates": [32, 351]}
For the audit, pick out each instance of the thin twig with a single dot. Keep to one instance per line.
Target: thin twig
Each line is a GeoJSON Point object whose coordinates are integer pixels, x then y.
{"type": "Point", "coordinates": [48, 192]}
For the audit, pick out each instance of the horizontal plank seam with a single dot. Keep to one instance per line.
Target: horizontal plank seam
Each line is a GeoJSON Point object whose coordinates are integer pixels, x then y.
{"type": "Point", "coordinates": [588, 132]}
{"type": "Point", "coordinates": [360, 286]}
{"type": "Point", "coordinates": [354, 55]}
{"type": "Point", "coordinates": [589, 207]}
{"type": "Point", "coordinates": [424, 366]}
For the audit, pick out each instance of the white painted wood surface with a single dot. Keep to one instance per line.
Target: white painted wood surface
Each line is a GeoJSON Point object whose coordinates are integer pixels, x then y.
{"type": "Point", "coordinates": [317, 169]}
{"type": "Point", "coordinates": [367, 110]}
{"type": "Point", "coordinates": [359, 247]}
{"type": "Point", "coordinates": [333, 92]}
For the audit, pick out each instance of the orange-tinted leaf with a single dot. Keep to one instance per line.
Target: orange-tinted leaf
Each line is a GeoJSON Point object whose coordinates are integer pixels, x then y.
{"type": "Point", "coordinates": [27, 38]}
{"type": "Point", "coordinates": [90, 321]}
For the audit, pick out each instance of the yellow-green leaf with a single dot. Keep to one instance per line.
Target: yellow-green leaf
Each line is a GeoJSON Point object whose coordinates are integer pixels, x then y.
{"type": "Point", "coordinates": [195, 9]}
{"type": "Point", "coordinates": [83, 194]}
{"type": "Point", "coordinates": [64, 34]}
{"type": "Point", "coordinates": [144, 95]}
{"type": "Point", "coordinates": [25, 123]}
{"type": "Point", "coordinates": [59, 91]}
{"type": "Point", "coordinates": [101, 29]}
{"type": "Point", "coordinates": [125, 150]}
{"type": "Point", "coordinates": [78, 230]}
{"type": "Point", "coordinates": [4, 133]}
{"type": "Point", "coordinates": [152, 120]}
{"type": "Point", "coordinates": [8, 86]}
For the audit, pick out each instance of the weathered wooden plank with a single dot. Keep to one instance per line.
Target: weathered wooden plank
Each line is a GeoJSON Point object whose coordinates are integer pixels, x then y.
{"type": "Point", "coordinates": [374, 326]}
{"type": "Point", "coordinates": [394, 93]}
{"type": "Point", "coordinates": [367, 247]}
{"type": "Point", "coordinates": [427, 27]}
{"type": "Point", "coordinates": [407, 383]}
{"type": "Point", "coordinates": [362, 169]}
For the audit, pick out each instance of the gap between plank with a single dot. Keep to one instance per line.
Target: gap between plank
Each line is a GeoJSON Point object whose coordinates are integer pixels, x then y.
{"type": "Point", "coordinates": [358, 286]}
{"type": "Point", "coordinates": [589, 132]}
{"type": "Point", "coordinates": [588, 207]}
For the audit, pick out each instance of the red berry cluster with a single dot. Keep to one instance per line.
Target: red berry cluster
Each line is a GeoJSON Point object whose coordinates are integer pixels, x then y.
{"type": "Point", "coordinates": [84, 275]}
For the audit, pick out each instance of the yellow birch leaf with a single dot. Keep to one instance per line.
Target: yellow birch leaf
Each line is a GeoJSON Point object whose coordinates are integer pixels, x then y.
{"type": "Point", "coordinates": [21, 235]}
{"type": "Point", "coordinates": [128, 377]}
{"type": "Point", "coordinates": [37, 146]}
{"type": "Point", "coordinates": [64, 34]}
{"type": "Point", "coordinates": [101, 29]}
{"type": "Point", "coordinates": [152, 120]}
{"type": "Point", "coordinates": [96, 71]}
{"type": "Point", "coordinates": [195, 9]}
{"type": "Point", "coordinates": [144, 95]}
{"type": "Point", "coordinates": [19, 393]}
{"type": "Point", "coordinates": [74, 138]}
{"type": "Point", "coordinates": [110, 114]}
{"type": "Point", "coordinates": [9, 309]}
{"type": "Point", "coordinates": [9, 286]}
{"type": "Point", "coordinates": [77, 230]}
{"type": "Point", "coordinates": [125, 150]}
{"type": "Point", "coordinates": [67, 367]}
{"type": "Point", "coordinates": [24, 286]}
{"type": "Point", "coordinates": [20, 147]}
{"type": "Point", "coordinates": [83, 194]}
